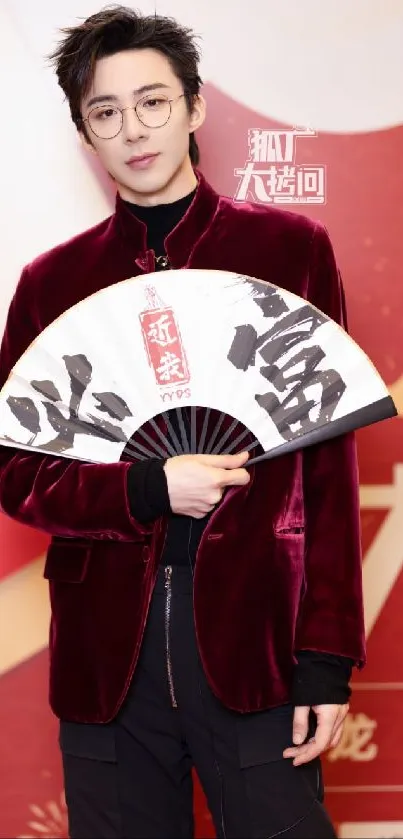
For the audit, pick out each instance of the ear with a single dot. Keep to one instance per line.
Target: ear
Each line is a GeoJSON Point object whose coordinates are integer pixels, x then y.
{"type": "Point", "coordinates": [86, 142]}
{"type": "Point", "coordinates": [198, 113]}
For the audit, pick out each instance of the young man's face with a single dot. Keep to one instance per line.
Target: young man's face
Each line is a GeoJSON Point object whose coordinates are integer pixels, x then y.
{"type": "Point", "coordinates": [150, 164]}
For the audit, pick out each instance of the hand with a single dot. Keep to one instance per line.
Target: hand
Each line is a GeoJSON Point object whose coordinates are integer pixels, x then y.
{"type": "Point", "coordinates": [330, 719]}
{"type": "Point", "coordinates": [196, 482]}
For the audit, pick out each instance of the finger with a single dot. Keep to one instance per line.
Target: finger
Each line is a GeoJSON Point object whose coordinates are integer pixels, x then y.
{"type": "Point", "coordinates": [335, 714]}
{"type": "Point", "coordinates": [201, 512]}
{"type": "Point", "coordinates": [315, 747]}
{"type": "Point", "coordinates": [300, 724]}
{"type": "Point", "coordinates": [234, 477]}
{"type": "Point", "coordinates": [318, 744]}
{"type": "Point", "coordinates": [223, 461]}
{"type": "Point", "coordinates": [336, 737]}
{"type": "Point", "coordinates": [303, 754]}
{"type": "Point", "coordinates": [215, 497]}
{"type": "Point", "coordinates": [339, 721]}
{"type": "Point", "coordinates": [339, 728]}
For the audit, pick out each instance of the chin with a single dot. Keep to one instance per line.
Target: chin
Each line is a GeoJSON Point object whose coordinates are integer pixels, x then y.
{"type": "Point", "coordinates": [148, 183]}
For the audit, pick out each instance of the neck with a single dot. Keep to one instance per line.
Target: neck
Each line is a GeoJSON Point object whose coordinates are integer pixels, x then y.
{"type": "Point", "coordinates": [182, 183]}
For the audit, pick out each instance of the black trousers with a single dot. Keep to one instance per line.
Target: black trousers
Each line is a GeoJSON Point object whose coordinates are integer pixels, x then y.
{"type": "Point", "coordinates": [133, 777]}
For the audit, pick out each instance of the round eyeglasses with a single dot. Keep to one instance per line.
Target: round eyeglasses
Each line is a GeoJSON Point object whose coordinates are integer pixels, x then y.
{"type": "Point", "coordinates": [153, 111]}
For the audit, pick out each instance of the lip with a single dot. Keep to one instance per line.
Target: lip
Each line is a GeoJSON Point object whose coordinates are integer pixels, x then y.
{"type": "Point", "coordinates": [141, 161]}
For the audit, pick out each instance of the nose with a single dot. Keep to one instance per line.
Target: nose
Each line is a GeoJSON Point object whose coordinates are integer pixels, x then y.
{"type": "Point", "coordinates": [132, 129]}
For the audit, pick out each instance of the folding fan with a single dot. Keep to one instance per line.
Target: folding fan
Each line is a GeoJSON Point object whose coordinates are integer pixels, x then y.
{"type": "Point", "coordinates": [189, 361]}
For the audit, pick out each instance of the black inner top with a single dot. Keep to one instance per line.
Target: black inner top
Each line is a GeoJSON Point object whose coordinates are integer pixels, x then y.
{"type": "Point", "coordinates": [184, 533]}
{"type": "Point", "coordinates": [160, 220]}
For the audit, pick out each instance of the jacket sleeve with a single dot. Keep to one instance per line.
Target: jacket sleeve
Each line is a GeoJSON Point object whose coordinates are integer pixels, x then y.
{"type": "Point", "coordinates": [331, 612]}
{"type": "Point", "coordinates": [63, 497]}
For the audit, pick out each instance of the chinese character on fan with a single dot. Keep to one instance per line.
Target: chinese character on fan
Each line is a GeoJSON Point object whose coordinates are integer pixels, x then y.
{"type": "Point", "coordinates": [159, 331]}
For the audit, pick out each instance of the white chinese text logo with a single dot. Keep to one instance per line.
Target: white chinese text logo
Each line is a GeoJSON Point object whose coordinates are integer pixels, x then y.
{"type": "Point", "coordinates": [271, 175]}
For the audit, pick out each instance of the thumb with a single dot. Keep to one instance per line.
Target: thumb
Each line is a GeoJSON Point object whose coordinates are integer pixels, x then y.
{"type": "Point", "coordinates": [300, 724]}
{"type": "Point", "coordinates": [224, 461]}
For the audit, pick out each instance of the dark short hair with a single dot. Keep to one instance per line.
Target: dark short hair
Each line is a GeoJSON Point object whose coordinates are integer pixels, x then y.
{"type": "Point", "coordinates": [118, 28]}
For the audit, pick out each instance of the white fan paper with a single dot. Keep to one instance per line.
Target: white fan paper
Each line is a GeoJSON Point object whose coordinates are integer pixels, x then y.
{"type": "Point", "coordinates": [106, 371]}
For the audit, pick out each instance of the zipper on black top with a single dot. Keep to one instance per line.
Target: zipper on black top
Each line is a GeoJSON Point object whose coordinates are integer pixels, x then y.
{"type": "Point", "coordinates": [168, 599]}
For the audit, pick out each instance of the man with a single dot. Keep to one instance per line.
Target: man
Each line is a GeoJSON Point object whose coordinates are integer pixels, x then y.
{"type": "Point", "coordinates": [187, 630]}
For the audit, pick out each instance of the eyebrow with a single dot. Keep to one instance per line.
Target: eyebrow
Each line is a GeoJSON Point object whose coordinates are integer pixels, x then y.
{"type": "Point", "coordinates": [109, 97]}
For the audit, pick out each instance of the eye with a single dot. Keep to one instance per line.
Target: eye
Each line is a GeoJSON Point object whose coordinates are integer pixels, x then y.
{"type": "Point", "coordinates": [102, 114]}
{"type": "Point", "coordinates": [154, 103]}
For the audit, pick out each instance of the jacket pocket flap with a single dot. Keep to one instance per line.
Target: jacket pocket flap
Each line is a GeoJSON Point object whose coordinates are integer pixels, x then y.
{"type": "Point", "coordinates": [67, 561]}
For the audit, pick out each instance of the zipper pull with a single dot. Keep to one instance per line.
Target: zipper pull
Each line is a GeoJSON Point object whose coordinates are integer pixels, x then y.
{"type": "Point", "coordinates": [163, 262]}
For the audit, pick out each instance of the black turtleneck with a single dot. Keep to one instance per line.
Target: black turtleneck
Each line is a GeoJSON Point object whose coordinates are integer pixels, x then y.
{"type": "Point", "coordinates": [319, 678]}
{"type": "Point", "coordinates": [160, 220]}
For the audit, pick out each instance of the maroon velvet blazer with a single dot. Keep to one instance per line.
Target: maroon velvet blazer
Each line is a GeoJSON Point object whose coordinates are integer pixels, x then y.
{"type": "Point", "coordinates": [278, 568]}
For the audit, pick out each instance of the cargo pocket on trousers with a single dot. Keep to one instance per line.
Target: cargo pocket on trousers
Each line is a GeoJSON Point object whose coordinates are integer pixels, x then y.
{"type": "Point", "coordinates": [91, 780]}
{"type": "Point", "coordinates": [278, 793]}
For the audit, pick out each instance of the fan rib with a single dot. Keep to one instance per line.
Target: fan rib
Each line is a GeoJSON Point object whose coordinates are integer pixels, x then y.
{"type": "Point", "coordinates": [193, 429]}
{"type": "Point", "coordinates": [228, 449]}
{"type": "Point", "coordinates": [164, 439]}
{"type": "Point", "coordinates": [209, 447]}
{"type": "Point", "coordinates": [220, 445]}
{"type": "Point", "coordinates": [134, 444]}
{"type": "Point", "coordinates": [200, 448]}
{"type": "Point", "coordinates": [174, 438]}
{"type": "Point", "coordinates": [255, 444]}
{"type": "Point", "coordinates": [158, 449]}
{"type": "Point", "coordinates": [182, 429]}
{"type": "Point", "coordinates": [136, 456]}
